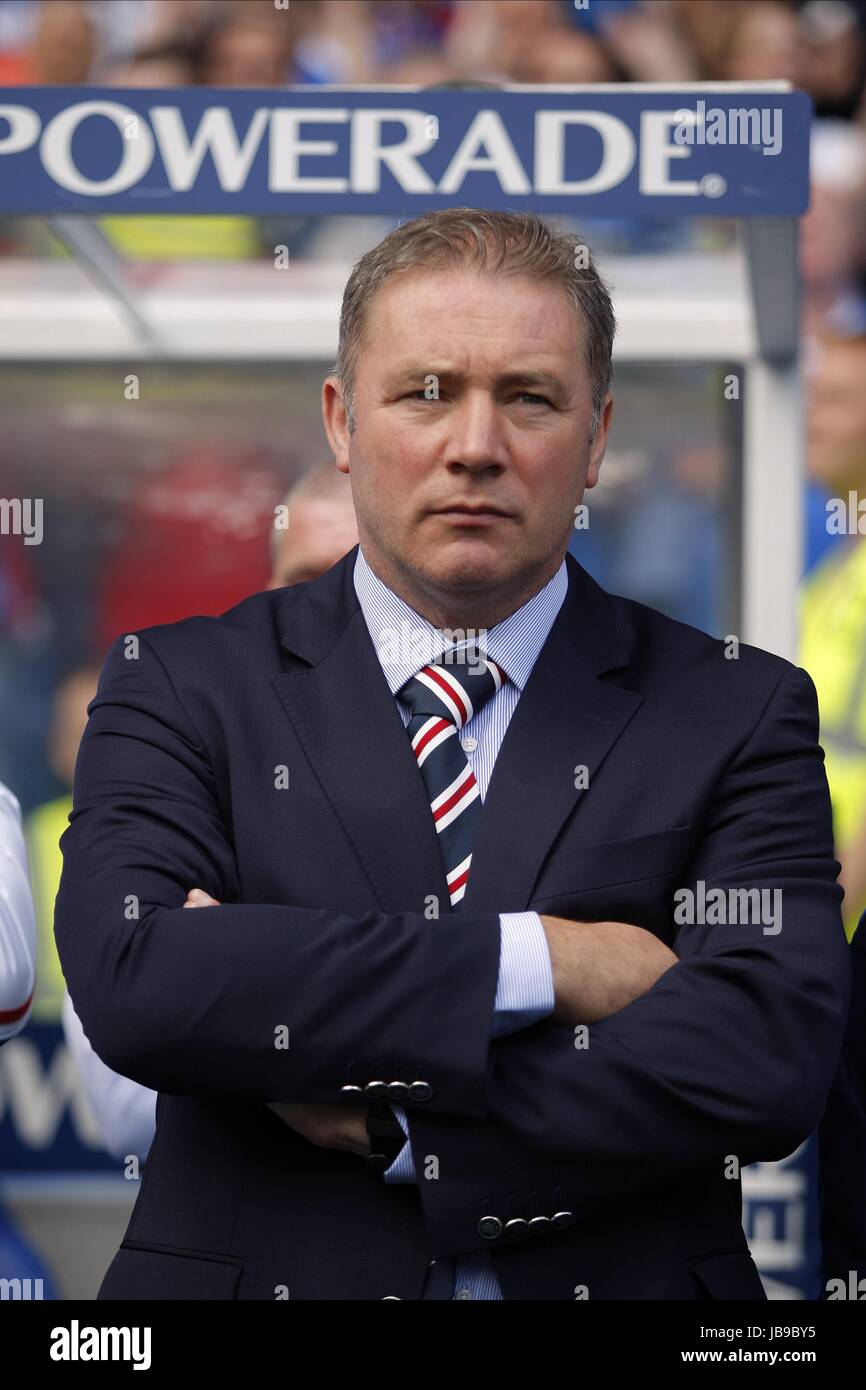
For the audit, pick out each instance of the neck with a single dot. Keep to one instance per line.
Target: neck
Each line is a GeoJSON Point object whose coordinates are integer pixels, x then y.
{"type": "Point", "coordinates": [475, 612]}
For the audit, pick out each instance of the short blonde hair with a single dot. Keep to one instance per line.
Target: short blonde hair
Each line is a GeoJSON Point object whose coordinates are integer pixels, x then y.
{"type": "Point", "coordinates": [494, 243]}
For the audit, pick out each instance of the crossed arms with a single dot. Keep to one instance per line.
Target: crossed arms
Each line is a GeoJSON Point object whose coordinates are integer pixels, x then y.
{"type": "Point", "coordinates": [731, 1051]}
{"type": "Point", "coordinates": [596, 969]}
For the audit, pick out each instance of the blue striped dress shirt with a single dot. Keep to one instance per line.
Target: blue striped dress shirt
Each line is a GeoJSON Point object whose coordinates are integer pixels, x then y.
{"type": "Point", "coordinates": [404, 642]}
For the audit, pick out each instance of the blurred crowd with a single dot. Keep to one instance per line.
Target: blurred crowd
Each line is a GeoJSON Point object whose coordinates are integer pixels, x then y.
{"type": "Point", "coordinates": [816, 44]}
{"type": "Point", "coordinates": [819, 46]}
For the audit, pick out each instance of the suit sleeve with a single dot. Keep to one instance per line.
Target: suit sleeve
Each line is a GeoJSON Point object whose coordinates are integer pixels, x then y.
{"type": "Point", "coordinates": [245, 1002]}
{"type": "Point", "coordinates": [842, 1141]}
{"type": "Point", "coordinates": [524, 994]}
{"type": "Point", "coordinates": [732, 1052]}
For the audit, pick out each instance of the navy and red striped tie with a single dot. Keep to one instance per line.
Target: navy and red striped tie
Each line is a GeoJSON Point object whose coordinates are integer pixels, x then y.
{"type": "Point", "coordinates": [443, 697]}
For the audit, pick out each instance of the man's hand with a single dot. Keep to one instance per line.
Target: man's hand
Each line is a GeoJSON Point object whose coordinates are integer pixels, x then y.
{"type": "Point", "coordinates": [197, 897]}
{"type": "Point", "coordinates": [329, 1126]}
{"type": "Point", "coordinates": [599, 967]}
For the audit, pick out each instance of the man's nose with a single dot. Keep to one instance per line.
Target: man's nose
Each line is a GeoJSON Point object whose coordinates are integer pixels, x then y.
{"type": "Point", "coordinates": [477, 432]}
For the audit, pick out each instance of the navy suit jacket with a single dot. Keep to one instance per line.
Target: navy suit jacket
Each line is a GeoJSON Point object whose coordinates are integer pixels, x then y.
{"type": "Point", "coordinates": [842, 1147]}
{"type": "Point", "coordinates": [699, 768]}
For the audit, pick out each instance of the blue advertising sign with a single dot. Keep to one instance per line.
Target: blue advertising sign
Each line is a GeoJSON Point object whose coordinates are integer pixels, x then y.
{"type": "Point", "coordinates": [717, 150]}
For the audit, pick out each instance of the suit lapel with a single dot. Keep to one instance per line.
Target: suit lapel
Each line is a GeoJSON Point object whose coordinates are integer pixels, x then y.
{"type": "Point", "coordinates": [347, 721]}
{"type": "Point", "coordinates": [566, 717]}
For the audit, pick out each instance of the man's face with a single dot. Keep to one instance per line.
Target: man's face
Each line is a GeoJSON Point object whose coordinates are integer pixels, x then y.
{"type": "Point", "coordinates": [836, 417]}
{"type": "Point", "coordinates": [318, 534]}
{"type": "Point", "coordinates": [471, 391]}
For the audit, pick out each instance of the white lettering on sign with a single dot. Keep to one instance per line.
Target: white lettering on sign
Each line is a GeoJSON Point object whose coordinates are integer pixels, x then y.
{"type": "Point", "coordinates": [361, 155]}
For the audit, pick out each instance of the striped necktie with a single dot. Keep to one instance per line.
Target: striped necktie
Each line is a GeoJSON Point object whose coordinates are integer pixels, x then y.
{"type": "Point", "coordinates": [443, 697]}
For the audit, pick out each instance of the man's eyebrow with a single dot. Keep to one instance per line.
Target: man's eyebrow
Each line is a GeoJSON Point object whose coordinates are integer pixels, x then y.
{"type": "Point", "coordinates": [531, 378]}
{"type": "Point", "coordinates": [411, 374]}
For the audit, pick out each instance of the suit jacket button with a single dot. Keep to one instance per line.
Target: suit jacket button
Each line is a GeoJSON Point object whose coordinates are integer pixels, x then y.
{"type": "Point", "coordinates": [490, 1227]}
{"type": "Point", "coordinates": [539, 1224]}
{"type": "Point", "coordinates": [515, 1227]}
{"type": "Point", "coordinates": [398, 1091]}
{"type": "Point", "coordinates": [353, 1092]}
{"type": "Point", "coordinates": [420, 1090]}
{"type": "Point", "coordinates": [376, 1090]}
{"type": "Point", "coordinates": [561, 1219]}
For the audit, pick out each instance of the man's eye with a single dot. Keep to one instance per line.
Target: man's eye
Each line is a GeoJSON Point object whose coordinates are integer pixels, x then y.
{"type": "Point", "coordinates": [421, 394]}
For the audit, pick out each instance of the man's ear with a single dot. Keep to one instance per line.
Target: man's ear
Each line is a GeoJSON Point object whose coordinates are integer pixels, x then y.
{"type": "Point", "coordinates": [334, 419]}
{"type": "Point", "coordinates": [599, 444]}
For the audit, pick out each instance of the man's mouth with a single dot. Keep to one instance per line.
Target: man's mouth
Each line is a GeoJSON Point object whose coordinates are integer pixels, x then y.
{"type": "Point", "coordinates": [474, 515]}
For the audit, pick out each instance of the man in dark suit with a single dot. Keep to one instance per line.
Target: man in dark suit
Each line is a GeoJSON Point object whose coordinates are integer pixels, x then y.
{"type": "Point", "coordinates": [842, 1149]}
{"type": "Point", "coordinates": [539, 872]}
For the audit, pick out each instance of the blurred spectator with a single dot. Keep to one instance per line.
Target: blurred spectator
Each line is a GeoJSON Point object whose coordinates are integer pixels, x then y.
{"type": "Point", "coordinates": [654, 529]}
{"type": "Point", "coordinates": [707, 31]}
{"type": "Point", "coordinates": [46, 824]}
{"type": "Point", "coordinates": [833, 604]}
{"type": "Point", "coordinates": [17, 922]}
{"type": "Point", "coordinates": [524, 41]}
{"type": "Point", "coordinates": [235, 45]}
{"type": "Point", "coordinates": [321, 527]}
{"type": "Point", "coordinates": [646, 41]}
{"type": "Point", "coordinates": [833, 231]}
{"type": "Point", "coordinates": [18, 1261]}
{"type": "Point", "coordinates": [124, 1111]}
{"type": "Point", "coordinates": [836, 55]}
{"type": "Point", "coordinates": [817, 44]}
{"type": "Point", "coordinates": [121, 27]}
{"type": "Point", "coordinates": [238, 49]}
{"type": "Point", "coordinates": [333, 42]}
{"type": "Point", "coordinates": [164, 64]}
{"type": "Point", "coordinates": [61, 50]}
{"type": "Point", "coordinates": [189, 542]}
{"type": "Point", "coordinates": [832, 260]}
{"type": "Point", "coordinates": [400, 29]}
{"type": "Point", "coordinates": [765, 41]}
{"type": "Point", "coordinates": [17, 23]}
{"type": "Point", "coordinates": [28, 649]}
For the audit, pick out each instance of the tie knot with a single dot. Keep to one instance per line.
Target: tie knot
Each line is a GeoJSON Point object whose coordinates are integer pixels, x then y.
{"type": "Point", "coordinates": [455, 686]}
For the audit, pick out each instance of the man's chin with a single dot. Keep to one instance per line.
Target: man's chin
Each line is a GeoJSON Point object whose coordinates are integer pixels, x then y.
{"type": "Point", "coordinates": [462, 567]}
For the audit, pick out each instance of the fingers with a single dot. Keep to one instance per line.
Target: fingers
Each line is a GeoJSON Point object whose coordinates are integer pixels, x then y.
{"type": "Point", "coordinates": [197, 897]}
{"type": "Point", "coordinates": [327, 1126]}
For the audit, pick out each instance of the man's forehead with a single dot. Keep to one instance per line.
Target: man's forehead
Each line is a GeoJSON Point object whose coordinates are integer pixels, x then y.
{"type": "Point", "coordinates": [464, 322]}
{"type": "Point", "coordinates": [451, 291]}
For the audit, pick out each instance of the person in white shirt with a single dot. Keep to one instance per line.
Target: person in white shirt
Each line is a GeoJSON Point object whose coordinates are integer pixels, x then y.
{"type": "Point", "coordinates": [17, 922]}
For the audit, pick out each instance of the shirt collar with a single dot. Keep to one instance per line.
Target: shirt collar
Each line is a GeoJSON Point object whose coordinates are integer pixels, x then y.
{"type": "Point", "coordinates": [404, 641]}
